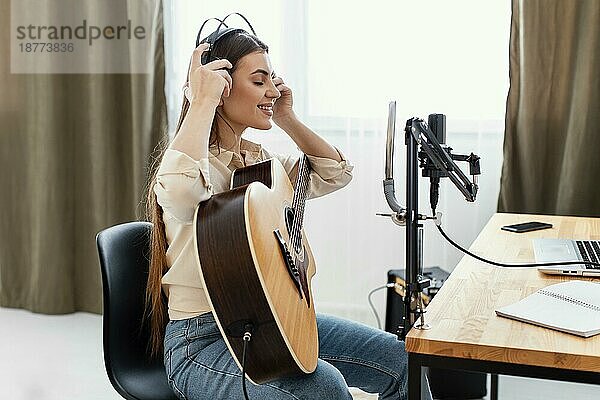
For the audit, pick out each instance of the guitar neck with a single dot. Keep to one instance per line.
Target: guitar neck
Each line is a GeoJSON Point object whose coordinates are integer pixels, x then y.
{"type": "Point", "coordinates": [300, 195]}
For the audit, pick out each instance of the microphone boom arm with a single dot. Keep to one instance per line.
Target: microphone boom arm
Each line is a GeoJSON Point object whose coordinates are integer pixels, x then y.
{"type": "Point", "coordinates": [443, 160]}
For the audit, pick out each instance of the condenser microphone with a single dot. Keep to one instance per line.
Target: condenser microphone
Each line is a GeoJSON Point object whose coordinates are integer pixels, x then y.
{"type": "Point", "coordinates": [437, 124]}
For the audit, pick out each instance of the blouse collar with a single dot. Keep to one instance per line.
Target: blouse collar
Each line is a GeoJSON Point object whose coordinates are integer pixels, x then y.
{"type": "Point", "coordinates": [252, 152]}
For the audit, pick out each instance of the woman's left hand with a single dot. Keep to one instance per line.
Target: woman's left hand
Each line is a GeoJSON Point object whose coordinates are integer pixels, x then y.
{"type": "Point", "coordinates": [282, 108]}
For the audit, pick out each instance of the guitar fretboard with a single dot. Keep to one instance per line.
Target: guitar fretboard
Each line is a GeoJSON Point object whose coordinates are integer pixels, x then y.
{"type": "Point", "coordinates": [299, 201]}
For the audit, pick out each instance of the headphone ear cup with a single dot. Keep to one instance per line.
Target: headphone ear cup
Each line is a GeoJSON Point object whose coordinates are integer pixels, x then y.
{"type": "Point", "coordinates": [205, 57]}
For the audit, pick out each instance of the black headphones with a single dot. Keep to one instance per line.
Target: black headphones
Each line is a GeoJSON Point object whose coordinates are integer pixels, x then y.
{"type": "Point", "coordinates": [222, 30]}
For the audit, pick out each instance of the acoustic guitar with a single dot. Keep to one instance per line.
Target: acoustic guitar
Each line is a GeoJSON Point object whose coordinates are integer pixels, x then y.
{"type": "Point", "coordinates": [257, 266]}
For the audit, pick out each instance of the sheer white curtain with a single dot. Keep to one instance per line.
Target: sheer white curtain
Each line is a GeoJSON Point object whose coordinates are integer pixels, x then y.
{"type": "Point", "coordinates": [344, 62]}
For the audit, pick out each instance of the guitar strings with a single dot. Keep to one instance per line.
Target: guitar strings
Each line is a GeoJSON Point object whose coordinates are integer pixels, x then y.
{"type": "Point", "coordinates": [297, 205]}
{"type": "Point", "coordinates": [295, 201]}
{"type": "Point", "coordinates": [303, 190]}
{"type": "Point", "coordinates": [300, 216]}
{"type": "Point", "coordinates": [303, 194]}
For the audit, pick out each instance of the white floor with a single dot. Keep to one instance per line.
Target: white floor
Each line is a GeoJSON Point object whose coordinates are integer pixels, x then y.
{"type": "Point", "coordinates": [52, 357]}
{"type": "Point", "coordinates": [60, 357]}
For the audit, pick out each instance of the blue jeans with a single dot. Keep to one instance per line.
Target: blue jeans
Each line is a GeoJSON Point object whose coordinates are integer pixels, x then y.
{"type": "Point", "coordinates": [199, 365]}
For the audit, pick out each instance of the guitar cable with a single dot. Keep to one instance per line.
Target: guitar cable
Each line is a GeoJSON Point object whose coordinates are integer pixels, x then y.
{"type": "Point", "coordinates": [246, 338]}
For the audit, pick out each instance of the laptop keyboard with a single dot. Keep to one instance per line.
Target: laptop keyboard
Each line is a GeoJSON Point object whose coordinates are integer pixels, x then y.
{"type": "Point", "coordinates": [590, 251]}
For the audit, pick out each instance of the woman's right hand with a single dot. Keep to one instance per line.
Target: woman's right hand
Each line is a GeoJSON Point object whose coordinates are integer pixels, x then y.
{"type": "Point", "coordinates": [207, 82]}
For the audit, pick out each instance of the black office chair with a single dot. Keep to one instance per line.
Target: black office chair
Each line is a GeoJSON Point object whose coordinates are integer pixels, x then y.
{"type": "Point", "coordinates": [124, 261]}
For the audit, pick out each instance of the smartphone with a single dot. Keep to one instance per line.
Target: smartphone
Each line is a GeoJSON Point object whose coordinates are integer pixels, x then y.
{"type": "Point", "coordinates": [526, 227]}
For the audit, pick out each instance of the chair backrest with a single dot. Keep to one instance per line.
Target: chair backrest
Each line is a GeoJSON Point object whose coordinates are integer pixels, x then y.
{"type": "Point", "coordinates": [124, 252]}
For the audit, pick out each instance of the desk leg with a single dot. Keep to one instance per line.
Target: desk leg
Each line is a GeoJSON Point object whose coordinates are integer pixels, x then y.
{"type": "Point", "coordinates": [414, 378]}
{"type": "Point", "coordinates": [494, 388]}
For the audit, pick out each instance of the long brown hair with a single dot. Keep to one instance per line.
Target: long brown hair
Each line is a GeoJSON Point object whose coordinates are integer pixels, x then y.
{"type": "Point", "coordinates": [233, 47]}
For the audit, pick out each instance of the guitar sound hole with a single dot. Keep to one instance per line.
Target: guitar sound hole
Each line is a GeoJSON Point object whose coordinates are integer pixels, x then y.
{"type": "Point", "coordinates": [289, 219]}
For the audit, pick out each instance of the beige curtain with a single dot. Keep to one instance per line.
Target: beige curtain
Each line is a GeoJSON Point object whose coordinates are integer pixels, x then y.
{"type": "Point", "coordinates": [74, 157]}
{"type": "Point", "coordinates": [552, 138]}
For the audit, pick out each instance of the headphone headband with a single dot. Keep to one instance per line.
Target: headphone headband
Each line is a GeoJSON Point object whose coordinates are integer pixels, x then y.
{"type": "Point", "coordinates": [218, 33]}
{"type": "Point", "coordinates": [202, 27]}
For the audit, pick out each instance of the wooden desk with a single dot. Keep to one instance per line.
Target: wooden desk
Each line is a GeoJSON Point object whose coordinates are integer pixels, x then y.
{"type": "Point", "coordinates": [465, 332]}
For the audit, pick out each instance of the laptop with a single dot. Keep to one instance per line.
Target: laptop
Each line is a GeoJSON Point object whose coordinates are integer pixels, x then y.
{"type": "Point", "coordinates": [556, 250]}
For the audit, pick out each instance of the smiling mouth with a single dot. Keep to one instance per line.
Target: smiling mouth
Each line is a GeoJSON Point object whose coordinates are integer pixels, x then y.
{"type": "Point", "coordinates": [267, 110]}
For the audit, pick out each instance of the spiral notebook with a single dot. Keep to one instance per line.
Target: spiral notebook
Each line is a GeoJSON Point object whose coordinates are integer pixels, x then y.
{"type": "Point", "coordinates": [572, 307]}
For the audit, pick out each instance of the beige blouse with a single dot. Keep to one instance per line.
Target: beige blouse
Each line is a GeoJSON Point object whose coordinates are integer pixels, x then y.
{"type": "Point", "coordinates": [183, 182]}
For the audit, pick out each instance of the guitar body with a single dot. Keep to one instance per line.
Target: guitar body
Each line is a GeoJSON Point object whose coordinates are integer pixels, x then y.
{"type": "Point", "coordinates": [247, 279]}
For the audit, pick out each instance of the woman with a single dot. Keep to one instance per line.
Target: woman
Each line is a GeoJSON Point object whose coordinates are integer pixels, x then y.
{"type": "Point", "coordinates": [222, 98]}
